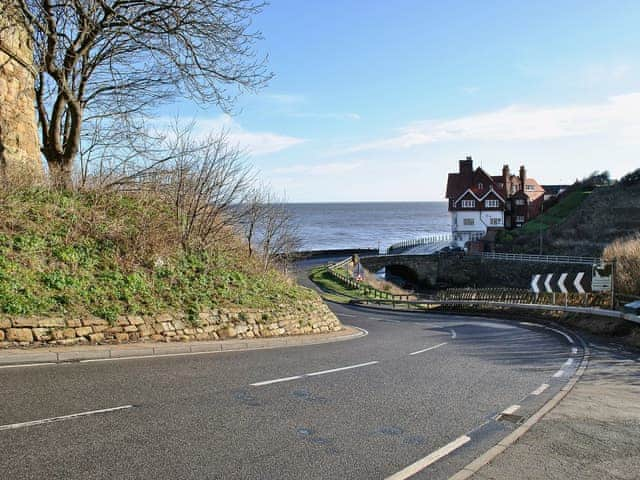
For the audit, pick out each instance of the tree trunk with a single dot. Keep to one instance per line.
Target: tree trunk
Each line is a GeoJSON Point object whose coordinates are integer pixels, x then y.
{"type": "Point", "coordinates": [61, 173]}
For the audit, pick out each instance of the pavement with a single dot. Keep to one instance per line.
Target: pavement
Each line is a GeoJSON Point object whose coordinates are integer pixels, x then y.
{"type": "Point", "coordinates": [419, 395]}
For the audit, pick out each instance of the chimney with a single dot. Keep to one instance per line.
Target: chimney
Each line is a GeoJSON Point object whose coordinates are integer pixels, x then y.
{"type": "Point", "coordinates": [466, 167]}
{"type": "Point", "coordinates": [523, 176]}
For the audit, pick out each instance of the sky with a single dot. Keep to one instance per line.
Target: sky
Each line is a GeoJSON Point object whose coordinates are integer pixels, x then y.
{"type": "Point", "coordinates": [378, 100]}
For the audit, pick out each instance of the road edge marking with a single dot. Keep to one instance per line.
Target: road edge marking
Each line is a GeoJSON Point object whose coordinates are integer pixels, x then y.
{"type": "Point", "coordinates": [472, 468]}
{"type": "Point", "coordinates": [430, 459]}
{"type": "Point", "coordinates": [429, 348]}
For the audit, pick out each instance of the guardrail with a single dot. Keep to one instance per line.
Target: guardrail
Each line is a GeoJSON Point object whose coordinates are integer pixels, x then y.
{"type": "Point", "coordinates": [522, 306]}
{"type": "Point", "coordinates": [366, 290]}
{"type": "Point", "coordinates": [418, 242]}
{"type": "Point", "coordinates": [521, 296]}
{"type": "Point", "coordinates": [523, 257]}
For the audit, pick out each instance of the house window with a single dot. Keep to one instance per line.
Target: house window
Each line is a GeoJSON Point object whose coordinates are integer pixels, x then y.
{"type": "Point", "coordinates": [469, 221]}
{"type": "Point", "coordinates": [520, 219]}
{"type": "Point", "coordinates": [496, 221]}
{"type": "Point", "coordinates": [491, 203]}
{"type": "Point", "coordinates": [529, 188]}
{"type": "Point", "coordinates": [480, 186]}
{"type": "Point", "coordinates": [468, 203]}
{"type": "Point", "coordinates": [519, 201]}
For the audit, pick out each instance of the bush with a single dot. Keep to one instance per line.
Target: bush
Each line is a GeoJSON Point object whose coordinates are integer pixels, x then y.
{"type": "Point", "coordinates": [626, 253]}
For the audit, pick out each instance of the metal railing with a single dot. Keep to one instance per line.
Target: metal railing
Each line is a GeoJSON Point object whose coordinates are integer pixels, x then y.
{"type": "Point", "coordinates": [418, 242]}
{"type": "Point", "coordinates": [524, 257]}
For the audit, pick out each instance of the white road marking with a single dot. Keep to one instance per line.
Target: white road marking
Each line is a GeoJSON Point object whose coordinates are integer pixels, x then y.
{"type": "Point", "coordinates": [312, 374]}
{"type": "Point", "coordinates": [423, 463]}
{"type": "Point", "coordinates": [346, 315]}
{"type": "Point", "coordinates": [323, 372]}
{"type": "Point", "coordinates": [540, 389]}
{"type": "Point", "coordinates": [44, 421]}
{"type": "Point", "coordinates": [529, 324]}
{"type": "Point", "coordinates": [511, 409]}
{"type": "Point", "coordinates": [277, 380]}
{"type": "Point", "coordinates": [427, 349]}
{"type": "Point", "coordinates": [453, 333]}
{"type": "Point", "coordinates": [569, 339]}
{"type": "Point", "coordinates": [568, 363]}
{"type": "Point", "coordinates": [574, 350]}
{"type": "Point", "coordinates": [558, 374]}
{"type": "Point", "coordinates": [28, 365]}
{"type": "Point", "coordinates": [497, 326]}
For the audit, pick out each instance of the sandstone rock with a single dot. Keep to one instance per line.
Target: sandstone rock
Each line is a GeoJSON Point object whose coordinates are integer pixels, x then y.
{"type": "Point", "coordinates": [1, 335]}
{"type": "Point", "coordinates": [74, 322]}
{"type": "Point", "coordinates": [51, 322]}
{"type": "Point", "coordinates": [168, 327]}
{"type": "Point", "coordinates": [69, 332]}
{"type": "Point", "coordinates": [179, 324]}
{"type": "Point", "coordinates": [100, 328]}
{"type": "Point", "coordinates": [145, 330]}
{"type": "Point", "coordinates": [122, 337]}
{"type": "Point", "coordinates": [122, 321]}
{"type": "Point", "coordinates": [84, 331]}
{"type": "Point", "coordinates": [91, 321]}
{"type": "Point", "coordinates": [134, 337]}
{"type": "Point", "coordinates": [135, 320]}
{"type": "Point", "coordinates": [20, 335]}
{"type": "Point", "coordinates": [228, 332]}
{"type": "Point", "coordinates": [157, 337]}
{"type": "Point", "coordinates": [114, 330]}
{"type": "Point", "coordinates": [25, 322]}
{"type": "Point", "coordinates": [68, 341]}
{"type": "Point", "coordinates": [130, 328]}
{"type": "Point", "coordinates": [96, 337]}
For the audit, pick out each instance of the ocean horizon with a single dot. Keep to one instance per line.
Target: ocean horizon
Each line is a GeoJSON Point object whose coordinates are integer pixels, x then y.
{"type": "Point", "coordinates": [367, 224]}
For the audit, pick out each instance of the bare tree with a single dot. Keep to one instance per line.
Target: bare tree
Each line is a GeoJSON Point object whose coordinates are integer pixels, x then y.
{"type": "Point", "coordinates": [117, 59]}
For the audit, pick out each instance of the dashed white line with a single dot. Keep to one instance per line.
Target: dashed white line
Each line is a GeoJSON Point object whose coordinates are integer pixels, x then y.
{"type": "Point", "coordinates": [558, 374]}
{"type": "Point", "coordinates": [511, 409]}
{"type": "Point", "coordinates": [347, 315]}
{"type": "Point", "coordinates": [312, 374]}
{"type": "Point", "coordinates": [427, 349]}
{"type": "Point", "coordinates": [568, 363]}
{"type": "Point", "coordinates": [44, 421]}
{"type": "Point", "coordinates": [453, 333]}
{"type": "Point", "coordinates": [28, 365]}
{"type": "Point", "coordinates": [323, 372]}
{"type": "Point", "coordinates": [423, 463]}
{"type": "Point", "coordinates": [540, 389]}
{"type": "Point", "coordinates": [574, 351]}
{"type": "Point", "coordinates": [277, 380]}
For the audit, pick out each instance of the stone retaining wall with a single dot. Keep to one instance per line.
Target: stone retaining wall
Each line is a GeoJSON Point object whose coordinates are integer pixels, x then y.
{"type": "Point", "coordinates": [303, 318]}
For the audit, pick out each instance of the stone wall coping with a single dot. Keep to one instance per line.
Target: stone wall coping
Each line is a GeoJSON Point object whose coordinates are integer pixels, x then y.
{"type": "Point", "coordinates": [63, 354]}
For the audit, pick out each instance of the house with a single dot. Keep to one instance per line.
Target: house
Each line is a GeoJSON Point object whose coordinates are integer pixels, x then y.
{"type": "Point", "coordinates": [481, 203]}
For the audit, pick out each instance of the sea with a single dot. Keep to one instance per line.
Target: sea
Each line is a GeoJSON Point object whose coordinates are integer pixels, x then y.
{"type": "Point", "coordinates": [327, 226]}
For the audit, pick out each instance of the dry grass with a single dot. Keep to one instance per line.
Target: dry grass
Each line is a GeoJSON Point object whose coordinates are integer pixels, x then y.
{"type": "Point", "coordinates": [626, 252]}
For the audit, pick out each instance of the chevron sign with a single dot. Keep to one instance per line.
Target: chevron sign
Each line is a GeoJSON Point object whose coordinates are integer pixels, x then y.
{"type": "Point", "coordinates": [561, 282]}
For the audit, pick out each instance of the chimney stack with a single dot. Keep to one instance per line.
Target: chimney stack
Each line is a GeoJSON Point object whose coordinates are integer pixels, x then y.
{"type": "Point", "coordinates": [506, 179]}
{"type": "Point", "coordinates": [466, 167]}
{"type": "Point", "coordinates": [523, 176]}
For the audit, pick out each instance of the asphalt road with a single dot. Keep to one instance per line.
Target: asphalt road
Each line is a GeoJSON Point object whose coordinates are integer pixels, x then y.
{"type": "Point", "coordinates": [287, 413]}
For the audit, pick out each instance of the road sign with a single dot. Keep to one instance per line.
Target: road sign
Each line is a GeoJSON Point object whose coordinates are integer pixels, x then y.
{"type": "Point", "coordinates": [564, 282]}
{"type": "Point", "coordinates": [602, 278]}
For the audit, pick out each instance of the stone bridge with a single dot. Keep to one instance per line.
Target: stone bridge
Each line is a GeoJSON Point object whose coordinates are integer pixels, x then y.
{"type": "Point", "coordinates": [417, 269]}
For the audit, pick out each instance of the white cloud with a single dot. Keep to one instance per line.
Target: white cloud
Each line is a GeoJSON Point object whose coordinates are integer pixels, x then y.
{"type": "Point", "coordinates": [520, 123]}
{"type": "Point", "coordinates": [334, 168]}
{"type": "Point", "coordinates": [285, 98]}
{"type": "Point", "coordinates": [254, 143]}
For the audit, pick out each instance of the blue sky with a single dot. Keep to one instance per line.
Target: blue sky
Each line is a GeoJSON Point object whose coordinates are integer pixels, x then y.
{"type": "Point", "coordinates": [377, 100]}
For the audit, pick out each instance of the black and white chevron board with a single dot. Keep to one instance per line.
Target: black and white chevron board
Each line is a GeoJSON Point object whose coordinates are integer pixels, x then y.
{"type": "Point", "coordinates": [576, 282]}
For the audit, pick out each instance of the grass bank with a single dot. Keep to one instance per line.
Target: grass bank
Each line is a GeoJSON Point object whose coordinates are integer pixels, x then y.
{"type": "Point", "coordinates": [73, 253]}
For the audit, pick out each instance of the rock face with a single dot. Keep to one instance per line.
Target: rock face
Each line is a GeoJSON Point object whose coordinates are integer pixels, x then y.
{"type": "Point", "coordinates": [302, 318]}
{"type": "Point", "coordinates": [19, 143]}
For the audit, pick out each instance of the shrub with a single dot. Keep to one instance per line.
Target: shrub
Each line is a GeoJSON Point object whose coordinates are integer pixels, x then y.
{"type": "Point", "coordinates": [626, 253]}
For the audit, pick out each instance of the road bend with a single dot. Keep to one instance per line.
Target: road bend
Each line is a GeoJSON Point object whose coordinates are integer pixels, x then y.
{"type": "Point", "coordinates": [420, 396]}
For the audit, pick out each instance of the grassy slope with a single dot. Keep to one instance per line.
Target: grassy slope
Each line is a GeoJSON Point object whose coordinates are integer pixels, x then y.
{"type": "Point", "coordinates": [77, 254]}
{"type": "Point", "coordinates": [557, 213]}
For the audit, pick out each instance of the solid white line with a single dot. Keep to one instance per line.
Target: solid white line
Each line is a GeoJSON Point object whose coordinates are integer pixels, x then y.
{"type": "Point", "coordinates": [427, 349]}
{"type": "Point", "coordinates": [528, 324]}
{"type": "Point", "coordinates": [568, 363]}
{"type": "Point", "coordinates": [558, 374]}
{"type": "Point", "coordinates": [540, 389]}
{"type": "Point", "coordinates": [453, 333]}
{"type": "Point", "coordinates": [13, 426]}
{"type": "Point", "coordinates": [277, 380]}
{"type": "Point", "coordinates": [346, 315]}
{"type": "Point", "coordinates": [511, 409]}
{"type": "Point", "coordinates": [574, 350]}
{"type": "Point", "coordinates": [569, 339]}
{"type": "Point", "coordinates": [429, 459]}
{"type": "Point", "coordinates": [28, 365]}
{"type": "Point", "coordinates": [323, 372]}
{"type": "Point", "coordinates": [312, 374]}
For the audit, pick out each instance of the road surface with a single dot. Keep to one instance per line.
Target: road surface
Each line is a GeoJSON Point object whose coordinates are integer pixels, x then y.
{"type": "Point", "coordinates": [418, 395]}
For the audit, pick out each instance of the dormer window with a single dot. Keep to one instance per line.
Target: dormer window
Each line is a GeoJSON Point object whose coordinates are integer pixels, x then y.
{"type": "Point", "coordinates": [468, 203]}
{"type": "Point", "coordinates": [491, 204]}
{"type": "Point", "coordinates": [529, 188]}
